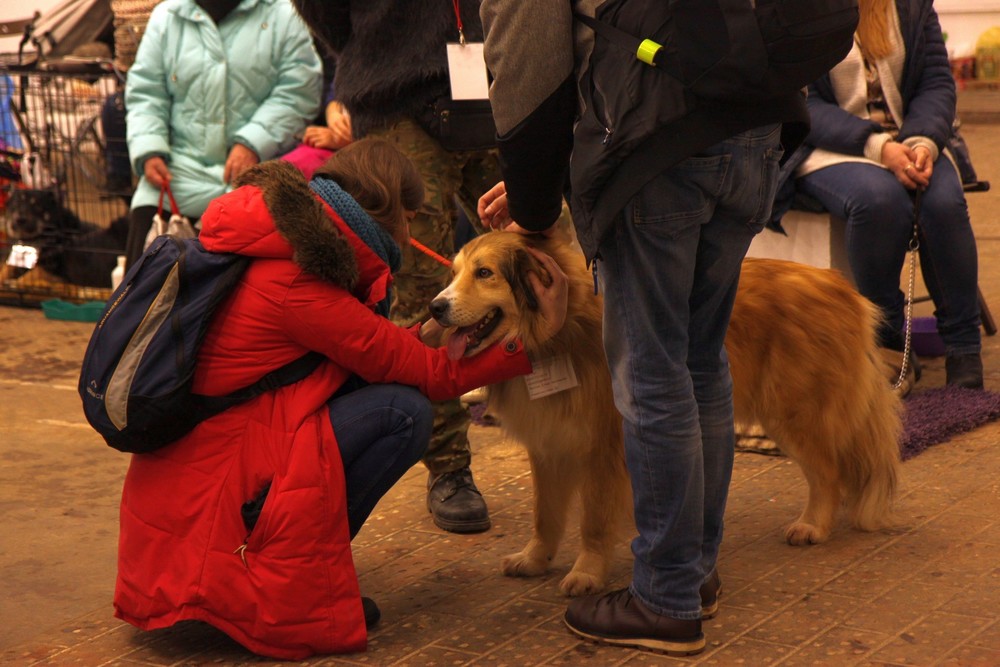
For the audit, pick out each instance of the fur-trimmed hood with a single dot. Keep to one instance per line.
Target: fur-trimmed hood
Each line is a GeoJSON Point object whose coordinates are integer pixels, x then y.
{"type": "Point", "coordinates": [273, 214]}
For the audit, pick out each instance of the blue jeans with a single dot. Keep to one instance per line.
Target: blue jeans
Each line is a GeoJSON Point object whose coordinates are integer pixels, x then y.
{"type": "Point", "coordinates": [669, 270]}
{"type": "Point", "coordinates": [382, 430]}
{"type": "Point", "coordinates": [879, 214]}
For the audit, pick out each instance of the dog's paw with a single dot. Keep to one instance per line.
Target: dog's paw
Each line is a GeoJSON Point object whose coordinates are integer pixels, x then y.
{"type": "Point", "coordinates": [580, 583]}
{"type": "Point", "coordinates": [522, 564]}
{"type": "Point", "coordinates": [801, 533]}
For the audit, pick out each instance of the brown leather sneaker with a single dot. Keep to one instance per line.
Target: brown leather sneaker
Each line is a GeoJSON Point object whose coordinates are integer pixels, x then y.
{"type": "Point", "coordinates": [710, 592]}
{"type": "Point", "coordinates": [620, 619]}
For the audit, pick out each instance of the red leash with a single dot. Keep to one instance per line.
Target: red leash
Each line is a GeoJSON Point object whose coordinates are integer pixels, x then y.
{"type": "Point", "coordinates": [430, 253]}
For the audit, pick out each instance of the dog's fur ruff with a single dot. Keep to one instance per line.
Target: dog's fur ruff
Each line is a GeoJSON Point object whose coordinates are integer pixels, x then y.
{"type": "Point", "coordinates": [804, 362]}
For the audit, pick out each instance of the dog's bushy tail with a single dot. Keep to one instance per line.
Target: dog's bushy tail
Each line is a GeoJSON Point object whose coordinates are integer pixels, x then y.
{"type": "Point", "coordinates": [870, 463]}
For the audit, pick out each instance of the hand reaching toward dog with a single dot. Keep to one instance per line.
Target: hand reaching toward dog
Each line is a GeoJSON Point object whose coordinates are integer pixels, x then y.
{"type": "Point", "coordinates": [493, 212]}
{"type": "Point", "coordinates": [552, 298]}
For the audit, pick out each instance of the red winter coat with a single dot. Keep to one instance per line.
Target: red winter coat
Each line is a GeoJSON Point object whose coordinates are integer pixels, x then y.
{"type": "Point", "coordinates": [288, 589]}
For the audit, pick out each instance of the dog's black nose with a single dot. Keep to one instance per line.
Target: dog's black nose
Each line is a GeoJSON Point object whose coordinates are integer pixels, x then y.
{"type": "Point", "coordinates": [439, 307]}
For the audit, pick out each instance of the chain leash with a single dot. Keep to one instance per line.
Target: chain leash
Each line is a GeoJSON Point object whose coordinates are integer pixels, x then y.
{"type": "Point", "coordinates": [904, 367]}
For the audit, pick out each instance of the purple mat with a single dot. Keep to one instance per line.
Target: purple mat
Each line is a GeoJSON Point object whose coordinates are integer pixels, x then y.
{"type": "Point", "coordinates": [935, 415]}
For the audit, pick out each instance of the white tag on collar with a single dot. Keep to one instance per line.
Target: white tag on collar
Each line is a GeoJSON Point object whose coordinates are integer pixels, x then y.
{"type": "Point", "coordinates": [550, 376]}
{"type": "Point", "coordinates": [467, 70]}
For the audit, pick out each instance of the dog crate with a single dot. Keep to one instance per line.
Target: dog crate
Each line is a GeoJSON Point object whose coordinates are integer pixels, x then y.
{"type": "Point", "coordinates": [64, 180]}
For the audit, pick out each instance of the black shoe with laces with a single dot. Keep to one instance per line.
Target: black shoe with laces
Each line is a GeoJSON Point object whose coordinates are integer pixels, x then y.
{"type": "Point", "coordinates": [620, 619]}
{"type": "Point", "coordinates": [455, 503]}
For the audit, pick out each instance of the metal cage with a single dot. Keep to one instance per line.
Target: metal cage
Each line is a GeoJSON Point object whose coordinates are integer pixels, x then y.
{"type": "Point", "coordinates": [64, 180]}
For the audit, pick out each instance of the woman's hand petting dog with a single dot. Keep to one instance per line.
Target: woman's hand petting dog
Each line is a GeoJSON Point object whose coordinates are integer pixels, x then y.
{"type": "Point", "coordinates": [493, 212]}
{"type": "Point", "coordinates": [553, 298]}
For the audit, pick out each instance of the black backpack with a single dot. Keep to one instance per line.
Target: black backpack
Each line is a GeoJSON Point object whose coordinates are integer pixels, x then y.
{"type": "Point", "coordinates": [732, 50]}
{"type": "Point", "coordinates": [137, 372]}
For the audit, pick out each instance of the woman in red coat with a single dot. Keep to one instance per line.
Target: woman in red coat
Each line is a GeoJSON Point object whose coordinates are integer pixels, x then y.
{"type": "Point", "coordinates": [246, 522]}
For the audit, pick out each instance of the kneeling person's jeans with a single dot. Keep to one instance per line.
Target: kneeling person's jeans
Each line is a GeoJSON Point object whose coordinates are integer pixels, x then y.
{"type": "Point", "coordinates": [669, 270]}
{"type": "Point", "coordinates": [382, 430]}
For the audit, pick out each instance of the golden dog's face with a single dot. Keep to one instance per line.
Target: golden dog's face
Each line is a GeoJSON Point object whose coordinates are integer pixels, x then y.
{"type": "Point", "coordinates": [489, 296]}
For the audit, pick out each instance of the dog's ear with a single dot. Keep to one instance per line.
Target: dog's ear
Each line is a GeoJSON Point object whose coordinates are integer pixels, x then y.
{"type": "Point", "coordinates": [515, 271]}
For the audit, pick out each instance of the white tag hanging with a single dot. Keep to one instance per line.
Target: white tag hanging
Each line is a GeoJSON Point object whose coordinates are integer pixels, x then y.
{"type": "Point", "coordinates": [467, 70]}
{"type": "Point", "coordinates": [550, 376]}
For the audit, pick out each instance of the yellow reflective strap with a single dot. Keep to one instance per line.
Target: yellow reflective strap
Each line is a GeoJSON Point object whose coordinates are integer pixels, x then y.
{"type": "Point", "coordinates": [647, 51]}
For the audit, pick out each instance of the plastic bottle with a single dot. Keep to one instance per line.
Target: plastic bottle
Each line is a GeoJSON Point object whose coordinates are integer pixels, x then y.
{"type": "Point", "coordinates": [118, 273]}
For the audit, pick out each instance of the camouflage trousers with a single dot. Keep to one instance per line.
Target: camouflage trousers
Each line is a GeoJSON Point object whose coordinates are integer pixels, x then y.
{"type": "Point", "coordinates": [450, 179]}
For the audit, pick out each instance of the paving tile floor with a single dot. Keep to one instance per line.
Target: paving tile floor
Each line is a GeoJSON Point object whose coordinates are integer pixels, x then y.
{"type": "Point", "coordinates": [927, 593]}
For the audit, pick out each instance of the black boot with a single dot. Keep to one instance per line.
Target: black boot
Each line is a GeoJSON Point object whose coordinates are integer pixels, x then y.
{"type": "Point", "coordinates": [455, 502]}
{"type": "Point", "coordinates": [964, 370]}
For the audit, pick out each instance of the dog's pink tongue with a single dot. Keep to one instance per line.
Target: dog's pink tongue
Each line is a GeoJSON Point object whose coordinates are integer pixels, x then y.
{"type": "Point", "coordinates": [457, 343]}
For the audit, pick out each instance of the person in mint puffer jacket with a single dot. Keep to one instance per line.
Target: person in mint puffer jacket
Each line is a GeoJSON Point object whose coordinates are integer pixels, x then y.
{"type": "Point", "coordinates": [217, 86]}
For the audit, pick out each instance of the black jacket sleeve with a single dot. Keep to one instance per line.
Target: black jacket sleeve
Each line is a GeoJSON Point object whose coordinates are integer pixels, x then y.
{"type": "Point", "coordinates": [534, 159]}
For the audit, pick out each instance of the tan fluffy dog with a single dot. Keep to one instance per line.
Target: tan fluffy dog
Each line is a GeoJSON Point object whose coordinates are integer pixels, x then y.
{"type": "Point", "coordinates": [804, 363]}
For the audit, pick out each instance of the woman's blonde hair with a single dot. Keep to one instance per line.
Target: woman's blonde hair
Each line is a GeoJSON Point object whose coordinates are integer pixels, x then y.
{"type": "Point", "coordinates": [380, 178]}
{"type": "Point", "coordinates": [873, 28]}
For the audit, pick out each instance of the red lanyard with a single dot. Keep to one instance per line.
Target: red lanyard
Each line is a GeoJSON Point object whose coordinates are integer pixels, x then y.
{"type": "Point", "coordinates": [458, 22]}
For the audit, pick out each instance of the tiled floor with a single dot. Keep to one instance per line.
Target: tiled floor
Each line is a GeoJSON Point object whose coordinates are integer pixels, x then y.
{"type": "Point", "coordinates": [927, 593]}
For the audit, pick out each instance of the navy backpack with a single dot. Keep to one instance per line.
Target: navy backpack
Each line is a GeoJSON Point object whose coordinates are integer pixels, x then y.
{"type": "Point", "coordinates": [139, 365]}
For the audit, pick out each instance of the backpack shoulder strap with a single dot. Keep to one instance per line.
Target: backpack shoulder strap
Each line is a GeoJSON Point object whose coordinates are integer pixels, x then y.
{"type": "Point", "coordinates": [645, 50]}
{"type": "Point", "coordinates": [290, 373]}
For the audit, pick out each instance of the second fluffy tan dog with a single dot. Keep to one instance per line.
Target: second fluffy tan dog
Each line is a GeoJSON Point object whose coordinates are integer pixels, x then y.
{"type": "Point", "coordinates": [805, 365]}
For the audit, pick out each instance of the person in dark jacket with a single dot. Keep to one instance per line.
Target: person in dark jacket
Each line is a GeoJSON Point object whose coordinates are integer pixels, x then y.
{"type": "Point", "coordinates": [667, 247]}
{"type": "Point", "coordinates": [881, 121]}
{"type": "Point", "coordinates": [391, 70]}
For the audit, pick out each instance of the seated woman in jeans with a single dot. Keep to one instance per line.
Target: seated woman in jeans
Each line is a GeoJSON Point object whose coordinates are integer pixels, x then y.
{"type": "Point", "coordinates": [880, 122]}
{"type": "Point", "coordinates": [246, 522]}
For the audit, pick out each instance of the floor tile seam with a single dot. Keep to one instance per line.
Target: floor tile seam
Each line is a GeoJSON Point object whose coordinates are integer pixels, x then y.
{"type": "Point", "coordinates": [914, 531]}
{"type": "Point", "coordinates": [770, 615]}
{"type": "Point", "coordinates": [27, 647]}
{"type": "Point", "coordinates": [951, 457]}
{"type": "Point", "coordinates": [989, 626]}
{"type": "Point", "coordinates": [84, 639]}
{"type": "Point", "coordinates": [864, 659]}
{"type": "Point", "coordinates": [899, 636]}
{"type": "Point", "coordinates": [508, 642]}
{"type": "Point", "coordinates": [557, 658]}
{"type": "Point", "coordinates": [830, 627]}
{"type": "Point", "coordinates": [777, 462]}
{"type": "Point", "coordinates": [967, 642]}
{"type": "Point", "coordinates": [133, 661]}
{"type": "Point", "coordinates": [473, 656]}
